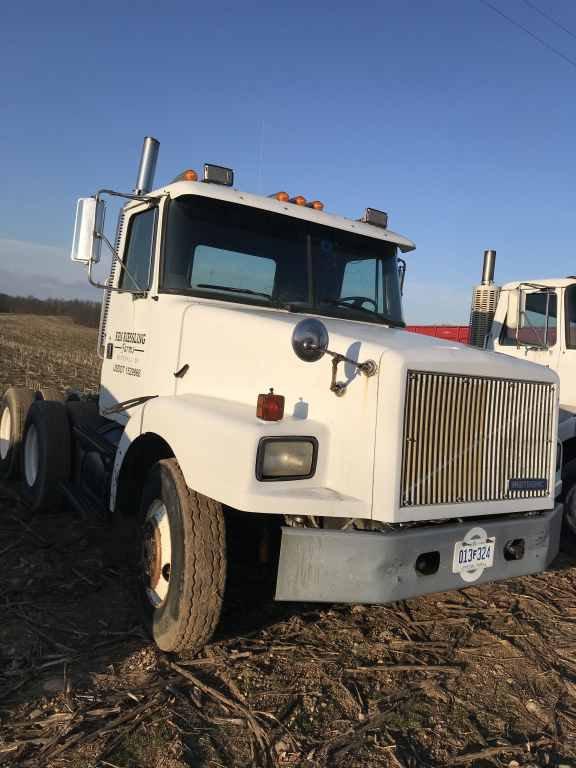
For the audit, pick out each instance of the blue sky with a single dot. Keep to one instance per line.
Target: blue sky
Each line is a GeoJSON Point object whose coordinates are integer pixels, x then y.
{"type": "Point", "coordinates": [442, 113]}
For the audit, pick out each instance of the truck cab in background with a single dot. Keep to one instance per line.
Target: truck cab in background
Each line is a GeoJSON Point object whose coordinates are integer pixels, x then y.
{"type": "Point", "coordinates": [535, 320]}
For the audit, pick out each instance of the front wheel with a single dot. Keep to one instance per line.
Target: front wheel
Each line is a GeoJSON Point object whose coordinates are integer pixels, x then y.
{"type": "Point", "coordinates": [183, 560]}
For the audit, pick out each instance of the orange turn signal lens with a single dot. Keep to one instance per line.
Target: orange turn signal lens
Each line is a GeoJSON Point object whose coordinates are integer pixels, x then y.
{"type": "Point", "coordinates": [282, 196]}
{"type": "Point", "coordinates": [190, 175]}
{"type": "Point", "coordinates": [298, 200]}
{"type": "Point", "coordinates": [317, 205]}
{"type": "Point", "coordinates": [270, 407]}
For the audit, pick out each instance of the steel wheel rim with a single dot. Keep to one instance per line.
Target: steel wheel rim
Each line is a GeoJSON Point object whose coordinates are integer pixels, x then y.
{"type": "Point", "coordinates": [157, 553]}
{"type": "Point", "coordinates": [5, 432]}
{"type": "Point", "coordinates": [31, 456]}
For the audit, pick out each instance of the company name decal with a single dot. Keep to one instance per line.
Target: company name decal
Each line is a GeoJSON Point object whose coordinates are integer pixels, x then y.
{"type": "Point", "coordinates": [129, 337]}
{"type": "Point", "coordinates": [126, 351]}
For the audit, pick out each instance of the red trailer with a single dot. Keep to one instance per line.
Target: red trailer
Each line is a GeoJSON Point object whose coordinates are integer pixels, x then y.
{"type": "Point", "coordinates": [460, 333]}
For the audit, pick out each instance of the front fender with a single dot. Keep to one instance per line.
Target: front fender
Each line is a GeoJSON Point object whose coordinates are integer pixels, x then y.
{"type": "Point", "coordinates": [215, 442]}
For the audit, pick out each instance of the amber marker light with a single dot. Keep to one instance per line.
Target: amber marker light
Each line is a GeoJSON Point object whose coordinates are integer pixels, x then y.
{"type": "Point", "coordinates": [270, 407]}
{"type": "Point", "coordinates": [190, 175]}
{"type": "Point", "coordinates": [282, 196]}
{"type": "Point", "coordinates": [316, 204]}
{"type": "Point", "coordinates": [298, 200]}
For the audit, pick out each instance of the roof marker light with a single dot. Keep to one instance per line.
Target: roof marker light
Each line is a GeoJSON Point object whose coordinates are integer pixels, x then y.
{"type": "Point", "coordinates": [188, 175]}
{"type": "Point", "coordinates": [316, 204]}
{"type": "Point", "coordinates": [282, 196]}
{"type": "Point", "coordinates": [298, 200]}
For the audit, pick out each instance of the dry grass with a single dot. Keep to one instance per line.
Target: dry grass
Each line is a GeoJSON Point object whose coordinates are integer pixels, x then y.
{"type": "Point", "coordinates": [483, 677]}
{"type": "Point", "coordinates": [38, 351]}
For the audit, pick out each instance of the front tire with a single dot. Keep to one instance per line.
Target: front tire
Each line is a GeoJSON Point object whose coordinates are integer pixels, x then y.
{"type": "Point", "coordinates": [46, 455]}
{"type": "Point", "coordinates": [568, 535]}
{"type": "Point", "coordinates": [13, 411]}
{"type": "Point", "coordinates": [183, 560]}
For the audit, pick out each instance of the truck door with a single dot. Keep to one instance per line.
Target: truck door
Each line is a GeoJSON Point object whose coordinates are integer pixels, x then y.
{"type": "Point", "coordinates": [127, 339]}
{"type": "Point", "coordinates": [529, 329]}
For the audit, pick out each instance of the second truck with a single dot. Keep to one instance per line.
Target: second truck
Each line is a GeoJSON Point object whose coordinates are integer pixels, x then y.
{"type": "Point", "coordinates": [255, 373]}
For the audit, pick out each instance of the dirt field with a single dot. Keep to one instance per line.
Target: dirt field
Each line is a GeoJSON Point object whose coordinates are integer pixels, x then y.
{"type": "Point", "coordinates": [482, 677]}
{"type": "Point", "coordinates": [36, 351]}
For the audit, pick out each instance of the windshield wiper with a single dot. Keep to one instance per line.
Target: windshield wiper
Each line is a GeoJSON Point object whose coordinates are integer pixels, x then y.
{"type": "Point", "coordinates": [305, 306]}
{"type": "Point", "coordinates": [235, 290]}
{"type": "Point", "coordinates": [365, 310]}
{"type": "Point", "coordinates": [354, 305]}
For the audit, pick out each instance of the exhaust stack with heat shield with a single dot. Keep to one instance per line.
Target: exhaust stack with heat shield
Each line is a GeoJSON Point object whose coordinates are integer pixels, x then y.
{"type": "Point", "coordinates": [484, 302]}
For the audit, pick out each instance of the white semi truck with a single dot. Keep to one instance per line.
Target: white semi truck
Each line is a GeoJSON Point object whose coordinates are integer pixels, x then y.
{"type": "Point", "coordinates": [254, 368]}
{"type": "Point", "coordinates": [535, 320]}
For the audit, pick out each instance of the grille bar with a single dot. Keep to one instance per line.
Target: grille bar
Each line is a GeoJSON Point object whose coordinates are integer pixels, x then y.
{"type": "Point", "coordinates": [467, 437]}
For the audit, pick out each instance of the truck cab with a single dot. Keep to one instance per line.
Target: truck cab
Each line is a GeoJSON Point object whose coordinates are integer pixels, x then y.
{"type": "Point", "coordinates": [536, 320]}
{"type": "Point", "coordinates": [255, 369]}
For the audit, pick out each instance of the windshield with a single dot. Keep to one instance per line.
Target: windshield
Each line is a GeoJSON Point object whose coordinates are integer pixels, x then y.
{"type": "Point", "coordinates": [242, 254]}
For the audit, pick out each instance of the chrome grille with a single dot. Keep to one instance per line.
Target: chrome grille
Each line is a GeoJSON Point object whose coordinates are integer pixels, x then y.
{"type": "Point", "coordinates": [467, 437]}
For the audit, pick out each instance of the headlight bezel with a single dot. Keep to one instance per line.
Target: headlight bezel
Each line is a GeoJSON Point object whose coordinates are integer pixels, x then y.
{"type": "Point", "coordinates": [260, 455]}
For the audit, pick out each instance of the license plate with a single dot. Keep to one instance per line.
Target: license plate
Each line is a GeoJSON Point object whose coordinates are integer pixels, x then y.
{"type": "Point", "coordinates": [473, 555]}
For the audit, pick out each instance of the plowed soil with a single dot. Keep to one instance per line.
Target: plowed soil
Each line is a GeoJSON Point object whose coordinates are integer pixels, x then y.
{"type": "Point", "coordinates": [481, 677]}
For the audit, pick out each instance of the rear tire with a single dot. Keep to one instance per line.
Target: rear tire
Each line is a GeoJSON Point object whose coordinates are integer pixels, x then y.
{"type": "Point", "coordinates": [13, 411]}
{"type": "Point", "coordinates": [568, 535]}
{"type": "Point", "coordinates": [183, 560]}
{"type": "Point", "coordinates": [49, 393]}
{"type": "Point", "coordinates": [46, 455]}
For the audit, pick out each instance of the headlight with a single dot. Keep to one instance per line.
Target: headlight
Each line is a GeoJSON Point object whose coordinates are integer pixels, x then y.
{"type": "Point", "coordinates": [286, 458]}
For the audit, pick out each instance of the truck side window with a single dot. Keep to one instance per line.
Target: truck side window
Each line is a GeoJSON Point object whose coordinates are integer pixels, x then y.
{"type": "Point", "coordinates": [570, 307]}
{"type": "Point", "coordinates": [138, 253]}
{"type": "Point", "coordinates": [532, 328]}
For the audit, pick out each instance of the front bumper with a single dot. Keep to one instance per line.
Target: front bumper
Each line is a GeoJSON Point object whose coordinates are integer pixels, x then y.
{"type": "Point", "coordinates": [319, 565]}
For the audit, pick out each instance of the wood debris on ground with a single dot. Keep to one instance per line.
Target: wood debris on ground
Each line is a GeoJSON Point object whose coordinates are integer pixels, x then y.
{"type": "Point", "coordinates": [281, 684]}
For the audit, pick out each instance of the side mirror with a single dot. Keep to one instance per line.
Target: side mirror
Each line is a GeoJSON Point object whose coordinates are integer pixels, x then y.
{"type": "Point", "coordinates": [87, 230]}
{"type": "Point", "coordinates": [310, 340]}
{"type": "Point", "coordinates": [401, 274]}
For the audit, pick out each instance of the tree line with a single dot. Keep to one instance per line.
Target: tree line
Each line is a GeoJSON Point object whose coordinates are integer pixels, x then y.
{"type": "Point", "coordinates": [81, 312]}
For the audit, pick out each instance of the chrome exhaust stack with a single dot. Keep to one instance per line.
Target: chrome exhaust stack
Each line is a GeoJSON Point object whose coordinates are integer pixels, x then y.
{"type": "Point", "coordinates": [147, 166]}
{"type": "Point", "coordinates": [488, 267]}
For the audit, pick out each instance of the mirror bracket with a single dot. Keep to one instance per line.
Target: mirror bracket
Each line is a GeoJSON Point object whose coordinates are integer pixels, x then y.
{"type": "Point", "coordinates": [310, 343]}
{"type": "Point", "coordinates": [368, 368]}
